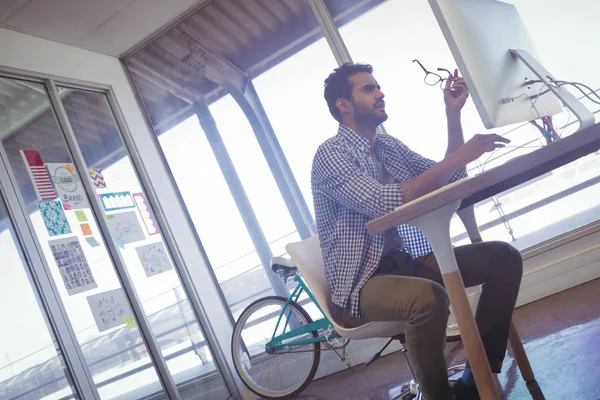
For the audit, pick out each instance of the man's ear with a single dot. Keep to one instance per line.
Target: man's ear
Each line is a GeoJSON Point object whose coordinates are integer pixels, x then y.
{"type": "Point", "coordinates": [344, 105]}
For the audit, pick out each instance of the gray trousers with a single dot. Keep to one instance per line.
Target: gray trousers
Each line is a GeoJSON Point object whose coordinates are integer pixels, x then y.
{"type": "Point", "coordinates": [412, 290]}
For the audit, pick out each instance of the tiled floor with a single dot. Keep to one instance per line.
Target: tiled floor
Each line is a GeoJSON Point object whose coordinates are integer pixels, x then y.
{"type": "Point", "coordinates": [562, 338]}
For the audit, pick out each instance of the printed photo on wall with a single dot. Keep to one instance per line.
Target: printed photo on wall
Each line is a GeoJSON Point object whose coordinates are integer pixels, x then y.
{"type": "Point", "coordinates": [154, 258]}
{"type": "Point", "coordinates": [68, 185]}
{"type": "Point", "coordinates": [39, 175]}
{"type": "Point", "coordinates": [54, 218]}
{"type": "Point", "coordinates": [72, 264]}
{"type": "Point", "coordinates": [97, 178]}
{"type": "Point", "coordinates": [110, 309]}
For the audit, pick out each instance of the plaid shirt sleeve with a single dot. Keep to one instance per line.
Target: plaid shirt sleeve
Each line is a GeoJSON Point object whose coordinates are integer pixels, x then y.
{"type": "Point", "coordinates": [422, 164]}
{"type": "Point", "coordinates": [337, 175]}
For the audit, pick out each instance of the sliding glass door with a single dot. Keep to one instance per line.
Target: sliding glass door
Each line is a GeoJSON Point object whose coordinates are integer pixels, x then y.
{"type": "Point", "coordinates": [31, 363]}
{"type": "Point", "coordinates": [103, 256]}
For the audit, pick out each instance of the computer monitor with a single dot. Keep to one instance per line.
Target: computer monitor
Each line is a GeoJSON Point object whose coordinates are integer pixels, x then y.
{"type": "Point", "coordinates": [496, 56]}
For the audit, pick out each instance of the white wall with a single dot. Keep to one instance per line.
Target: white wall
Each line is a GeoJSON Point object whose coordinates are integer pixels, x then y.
{"type": "Point", "coordinates": [29, 53]}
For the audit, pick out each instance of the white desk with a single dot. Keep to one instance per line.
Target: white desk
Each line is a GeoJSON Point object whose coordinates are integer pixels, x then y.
{"type": "Point", "coordinates": [432, 213]}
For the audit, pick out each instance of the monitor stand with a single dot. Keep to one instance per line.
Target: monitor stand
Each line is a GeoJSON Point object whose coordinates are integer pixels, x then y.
{"type": "Point", "coordinates": [585, 116]}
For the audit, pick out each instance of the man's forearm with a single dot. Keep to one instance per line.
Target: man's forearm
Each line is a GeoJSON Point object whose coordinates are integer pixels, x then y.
{"type": "Point", "coordinates": [455, 132]}
{"type": "Point", "coordinates": [434, 178]}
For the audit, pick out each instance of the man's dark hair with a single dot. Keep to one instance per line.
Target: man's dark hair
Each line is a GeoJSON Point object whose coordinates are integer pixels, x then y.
{"type": "Point", "coordinates": [337, 85]}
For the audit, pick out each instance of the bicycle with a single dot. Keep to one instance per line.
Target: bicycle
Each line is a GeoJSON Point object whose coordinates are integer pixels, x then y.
{"type": "Point", "coordinates": [255, 354]}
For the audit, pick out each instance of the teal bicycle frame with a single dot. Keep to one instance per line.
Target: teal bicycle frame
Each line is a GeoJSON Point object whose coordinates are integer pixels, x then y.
{"type": "Point", "coordinates": [321, 324]}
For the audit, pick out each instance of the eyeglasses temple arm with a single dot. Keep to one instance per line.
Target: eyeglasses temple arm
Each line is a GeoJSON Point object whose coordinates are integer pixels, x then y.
{"type": "Point", "coordinates": [421, 65]}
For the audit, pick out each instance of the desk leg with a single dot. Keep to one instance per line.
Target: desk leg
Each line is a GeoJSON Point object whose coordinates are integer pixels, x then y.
{"type": "Point", "coordinates": [467, 216]}
{"type": "Point", "coordinates": [436, 227]}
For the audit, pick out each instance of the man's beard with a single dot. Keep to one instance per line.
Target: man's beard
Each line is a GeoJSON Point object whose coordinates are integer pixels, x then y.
{"type": "Point", "coordinates": [370, 118]}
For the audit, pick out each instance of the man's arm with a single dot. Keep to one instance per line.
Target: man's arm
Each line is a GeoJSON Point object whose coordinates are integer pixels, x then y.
{"type": "Point", "coordinates": [455, 97]}
{"type": "Point", "coordinates": [455, 132]}
{"type": "Point", "coordinates": [434, 178]}
{"type": "Point", "coordinates": [335, 174]}
{"type": "Point", "coordinates": [450, 168]}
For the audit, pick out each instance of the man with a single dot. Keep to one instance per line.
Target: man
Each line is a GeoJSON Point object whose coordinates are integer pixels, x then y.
{"type": "Point", "coordinates": [359, 175]}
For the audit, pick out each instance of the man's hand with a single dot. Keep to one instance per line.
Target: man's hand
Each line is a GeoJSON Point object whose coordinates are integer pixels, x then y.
{"type": "Point", "coordinates": [455, 93]}
{"type": "Point", "coordinates": [480, 144]}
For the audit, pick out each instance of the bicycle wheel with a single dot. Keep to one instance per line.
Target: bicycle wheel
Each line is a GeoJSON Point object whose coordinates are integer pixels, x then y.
{"type": "Point", "coordinates": [278, 373]}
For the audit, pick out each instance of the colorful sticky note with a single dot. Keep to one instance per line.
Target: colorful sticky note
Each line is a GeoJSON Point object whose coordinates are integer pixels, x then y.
{"type": "Point", "coordinates": [92, 241]}
{"type": "Point", "coordinates": [81, 215]}
{"type": "Point", "coordinates": [120, 242]}
{"type": "Point", "coordinates": [86, 229]}
{"type": "Point", "coordinates": [130, 322]}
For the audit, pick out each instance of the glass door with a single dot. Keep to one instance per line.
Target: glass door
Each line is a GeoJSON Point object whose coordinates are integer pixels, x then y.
{"type": "Point", "coordinates": [49, 186]}
{"type": "Point", "coordinates": [134, 227]}
{"type": "Point", "coordinates": [31, 363]}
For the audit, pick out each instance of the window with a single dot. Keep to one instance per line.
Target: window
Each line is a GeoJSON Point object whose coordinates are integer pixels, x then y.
{"type": "Point", "coordinates": [30, 361]}
{"type": "Point", "coordinates": [299, 114]}
{"type": "Point", "coordinates": [526, 215]}
{"type": "Point", "coordinates": [218, 142]}
{"type": "Point", "coordinates": [156, 281]}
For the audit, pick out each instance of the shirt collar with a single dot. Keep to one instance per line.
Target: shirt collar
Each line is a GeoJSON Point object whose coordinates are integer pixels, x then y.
{"type": "Point", "coordinates": [354, 138]}
{"type": "Point", "coordinates": [358, 140]}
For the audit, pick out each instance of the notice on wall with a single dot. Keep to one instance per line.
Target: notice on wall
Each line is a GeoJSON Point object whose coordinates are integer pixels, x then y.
{"type": "Point", "coordinates": [54, 218]}
{"type": "Point", "coordinates": [111, 309]}
{"type": "Point", "coordinates": [146, 213]}
{"type": "Point", "coordinates": [39, 175]}
{"type": "Point", "coordinates": [154, 258]}
{"type": "Point", "coordinates": [68, 185]}
{"type": "Point", "coordinates": [125, 228]}
{"type": "Point", "coordinates": [72, 265]}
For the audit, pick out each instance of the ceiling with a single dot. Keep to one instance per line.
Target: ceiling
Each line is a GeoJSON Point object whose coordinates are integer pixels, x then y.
{"type": "Point", "coordinates": [106, 26]}
{"type": "Point", "coordinates": [226, 40]}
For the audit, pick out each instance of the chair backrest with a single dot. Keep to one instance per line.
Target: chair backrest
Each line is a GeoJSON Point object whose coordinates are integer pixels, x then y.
{"type": "Point", "coordinates": [309, 260]}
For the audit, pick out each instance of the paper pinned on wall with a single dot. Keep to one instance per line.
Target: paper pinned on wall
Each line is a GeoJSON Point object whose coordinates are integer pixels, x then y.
{"type": "Point", "coordinates": [54, 218]}
{"type": "Point", "coordinates": [146, 213]}
{"type": "Point", "coordinates": [39, 175]}
{"type": "Point", "coordinates": [154, 258]}
{"type": "Point", "coordinates": [86, 229]}
{"type": "Point", "coordinates": [110, 309]}
{"type": "Point", "coordinates": [72, 265]}
{"type": "Point", "coordinates": [81, 215]}
{"type": "Point", "coordinates": [92, 241]}
{"type": "Point", "coordinates": [68, 185]}
{"type": "Point", "coordinates": [125, 227]}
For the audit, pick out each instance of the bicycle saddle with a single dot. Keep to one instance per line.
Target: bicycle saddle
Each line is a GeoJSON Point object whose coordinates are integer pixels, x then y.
{"type": "Point", "coordinates": [285, 264]}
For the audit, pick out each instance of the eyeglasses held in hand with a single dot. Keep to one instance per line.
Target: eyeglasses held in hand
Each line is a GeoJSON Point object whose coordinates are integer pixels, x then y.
{"type": "Point", "coordinates": [432, 79]}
